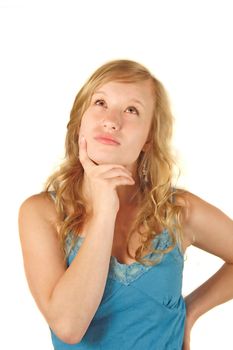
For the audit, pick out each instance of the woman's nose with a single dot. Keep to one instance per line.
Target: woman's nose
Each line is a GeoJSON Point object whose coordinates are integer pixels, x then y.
{"type": "Point", "coordinates": [111, 122]}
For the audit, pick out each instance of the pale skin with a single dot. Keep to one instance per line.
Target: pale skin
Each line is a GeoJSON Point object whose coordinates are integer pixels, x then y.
{"type": "Point", "coordinates": [113, 179]}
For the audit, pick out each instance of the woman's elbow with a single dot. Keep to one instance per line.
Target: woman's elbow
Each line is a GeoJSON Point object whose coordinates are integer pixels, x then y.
{"type": "Point", "coordinates": [67, 334]}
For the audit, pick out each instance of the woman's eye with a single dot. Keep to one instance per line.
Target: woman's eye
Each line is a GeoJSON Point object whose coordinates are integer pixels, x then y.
{"type": "Point", "coordinates": [99, 102]}
{"type": "Point", "coordinates": [134, 110]}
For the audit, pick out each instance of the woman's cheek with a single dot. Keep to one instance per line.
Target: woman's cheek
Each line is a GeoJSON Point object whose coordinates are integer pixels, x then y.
{"type": "Point", "coordinates": [83, 128]}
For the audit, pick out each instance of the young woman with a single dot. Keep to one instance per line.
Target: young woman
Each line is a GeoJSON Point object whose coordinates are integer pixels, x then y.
{"type": "Point", "coordinates": [104, 243]}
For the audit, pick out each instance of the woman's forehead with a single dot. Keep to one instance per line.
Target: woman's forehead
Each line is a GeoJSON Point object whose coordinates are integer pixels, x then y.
{"type": "Point", "coordinates": [137, 90]}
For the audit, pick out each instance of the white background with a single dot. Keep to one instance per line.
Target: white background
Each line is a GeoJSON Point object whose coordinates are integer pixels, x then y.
{"type": "Point", "coordinates": [48, 50]}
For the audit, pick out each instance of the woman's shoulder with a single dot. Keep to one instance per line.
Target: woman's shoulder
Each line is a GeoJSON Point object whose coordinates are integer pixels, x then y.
{"type": "Point", "coordinates": [40, 203]}
{"type": "Point", "coordinates": [197, 215]}
{"type": "Point", "coordinates": [183, 198]}
{"type": "Point", "coordinates": [38, 199]}
{"type": "Point", "coordinates": [187, 201]}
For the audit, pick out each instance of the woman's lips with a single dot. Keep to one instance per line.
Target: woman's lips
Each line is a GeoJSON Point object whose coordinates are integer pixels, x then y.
{"type": "Point", "coordinates": [106, 141]}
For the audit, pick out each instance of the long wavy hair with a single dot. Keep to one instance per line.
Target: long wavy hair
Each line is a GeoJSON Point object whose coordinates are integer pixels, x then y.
{"type": "Point", "coordinates": [157, 207]}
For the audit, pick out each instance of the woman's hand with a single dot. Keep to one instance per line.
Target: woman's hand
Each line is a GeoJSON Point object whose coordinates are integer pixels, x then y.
{"type": "Point", "coordinates": [101, 181]}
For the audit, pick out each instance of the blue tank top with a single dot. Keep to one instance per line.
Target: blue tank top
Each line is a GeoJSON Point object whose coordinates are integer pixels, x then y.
{"type": "Point", "coordinates": [142, 306]}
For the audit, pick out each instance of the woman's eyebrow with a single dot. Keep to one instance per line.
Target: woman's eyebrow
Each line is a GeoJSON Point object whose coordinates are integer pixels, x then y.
{"type": "Point", "coordinates": [132, 99]}
{"type": "Point", "coordinates": [99, 92]}
{"type": "Point", "coordinates": [137, 101]}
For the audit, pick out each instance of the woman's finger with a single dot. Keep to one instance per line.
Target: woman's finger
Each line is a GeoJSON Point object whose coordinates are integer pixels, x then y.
{"type": "Point", "coordinates": [83, 156]}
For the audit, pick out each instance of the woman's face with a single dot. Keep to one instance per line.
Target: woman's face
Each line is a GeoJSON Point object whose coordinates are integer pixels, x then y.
{"type": "Point", "coordinates": [121, 111]}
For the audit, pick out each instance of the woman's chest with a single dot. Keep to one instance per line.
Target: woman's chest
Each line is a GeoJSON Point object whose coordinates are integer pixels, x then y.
{"type": "Point", "coordinates": [126, 243]}
{"type": "Point", "coordinates": [123, 239]}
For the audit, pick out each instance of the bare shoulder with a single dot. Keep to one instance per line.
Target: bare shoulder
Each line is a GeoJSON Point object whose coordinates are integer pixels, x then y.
{"type": "Point", "coordinates": [183, 199]}
{"type": "Point", "coordinates": [191, 204]}
{"type": "Point", "coordinates": [196, 208]}
{"type": "Point", "coordinates": [42, 204]}
{"type": "Point", "coordinates": [37, 220]}
{"type": "Point", "coordinates": [206, 226]}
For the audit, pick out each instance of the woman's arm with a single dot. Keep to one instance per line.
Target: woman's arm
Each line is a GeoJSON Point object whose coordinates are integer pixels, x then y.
{"type": "Point", "coordinates": [209, 229]}
{"type": "Point", "coordinates": [68, 298]}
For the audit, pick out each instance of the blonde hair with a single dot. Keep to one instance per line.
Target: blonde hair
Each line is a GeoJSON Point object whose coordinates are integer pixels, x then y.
{"type": "Point", "coordinates": [157, 206]}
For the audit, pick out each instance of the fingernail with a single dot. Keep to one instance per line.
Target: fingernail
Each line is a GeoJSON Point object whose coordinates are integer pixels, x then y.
{"type": "Point", "coordinates": [82, 138]}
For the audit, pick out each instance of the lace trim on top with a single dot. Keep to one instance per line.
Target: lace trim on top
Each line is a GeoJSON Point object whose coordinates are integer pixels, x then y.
{"type": "Point", "coordinates": [127, 273]}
